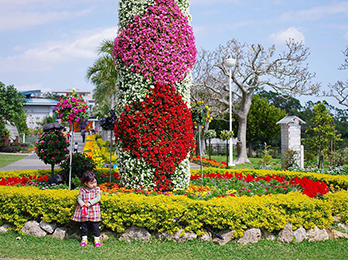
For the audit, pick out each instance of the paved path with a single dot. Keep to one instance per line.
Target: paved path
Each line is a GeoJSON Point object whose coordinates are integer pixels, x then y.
{"type": "Point", "coordinates": [32, 162]}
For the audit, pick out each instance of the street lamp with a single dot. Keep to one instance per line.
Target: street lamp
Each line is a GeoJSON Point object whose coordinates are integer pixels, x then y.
{"type": "Point", "coordinates": [229, 63]}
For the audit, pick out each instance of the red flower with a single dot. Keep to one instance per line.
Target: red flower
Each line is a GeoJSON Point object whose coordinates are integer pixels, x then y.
{"type": "Point", "coordinates": [158, 130]}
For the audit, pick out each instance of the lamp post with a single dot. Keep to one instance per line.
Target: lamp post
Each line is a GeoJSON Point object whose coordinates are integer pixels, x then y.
{"type": "Point", "coordinates": [229, 63]}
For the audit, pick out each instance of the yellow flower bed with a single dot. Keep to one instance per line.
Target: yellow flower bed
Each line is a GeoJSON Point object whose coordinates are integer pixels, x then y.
{"type": "Point", "coordinates": [26, 173]}
{"type": "Point", "coordinates": [105, 151]}
{"type": "Point", "coordinates": [92, 149]}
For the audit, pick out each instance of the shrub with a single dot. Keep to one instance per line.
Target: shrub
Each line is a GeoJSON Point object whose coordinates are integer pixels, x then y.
{"type": "Point", "coordinates": [80, 164]}
{"type": "Point", "coordinates": [289, 159]}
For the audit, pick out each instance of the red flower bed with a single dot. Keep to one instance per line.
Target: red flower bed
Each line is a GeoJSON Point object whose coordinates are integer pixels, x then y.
{"type": "Point", "coordinates": [310, 188]}
{"type": "Point", "coordinates": [14, 181]}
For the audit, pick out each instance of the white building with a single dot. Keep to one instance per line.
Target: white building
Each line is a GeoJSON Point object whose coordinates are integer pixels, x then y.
{"type": "Point", "coordinates": [37, 108]}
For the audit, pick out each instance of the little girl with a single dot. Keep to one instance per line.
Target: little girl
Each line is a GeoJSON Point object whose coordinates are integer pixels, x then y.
{"type": "Point", "coordinates": [88, 209]}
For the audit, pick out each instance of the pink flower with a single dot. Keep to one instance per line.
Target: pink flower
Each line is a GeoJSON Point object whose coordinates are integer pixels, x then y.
{"type": "Point", "coordinates": [159, 48]}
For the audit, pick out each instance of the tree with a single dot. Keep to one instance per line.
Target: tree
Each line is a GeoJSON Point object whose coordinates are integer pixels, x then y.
{"type": "Point", "coordinates": [322, 133]}
{"type": "Point", "coordinates": [104, 76]}
{"type": "Point", "coordinates": [289, 104]}
{"type": "Point", "coordinates": [262, 121]}
{"type": "Point", "coordinates": [47, 120]}
{"type": "Point", "coordinates": [11, 107]}
{"type": "Point", "coordinates": [339, 90]}
{"type": "Point", "coordinates": [256, 68]}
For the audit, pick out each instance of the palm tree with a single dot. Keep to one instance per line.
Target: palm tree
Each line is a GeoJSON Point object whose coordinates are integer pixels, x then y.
{"type": "Point", "coordinates": [104, 75]}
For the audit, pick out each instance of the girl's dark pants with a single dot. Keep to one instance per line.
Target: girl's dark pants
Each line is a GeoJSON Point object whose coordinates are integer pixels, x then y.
{"type": "Point", "coordinates": [95, 228]}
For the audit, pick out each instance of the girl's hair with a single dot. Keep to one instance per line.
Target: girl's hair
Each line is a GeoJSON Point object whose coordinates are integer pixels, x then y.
{"type": "Point", "coordinates": [88, 176]}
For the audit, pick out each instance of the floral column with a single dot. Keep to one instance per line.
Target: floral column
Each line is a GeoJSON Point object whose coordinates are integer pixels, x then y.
{"type": "Point", "coordinates": [154, 53]}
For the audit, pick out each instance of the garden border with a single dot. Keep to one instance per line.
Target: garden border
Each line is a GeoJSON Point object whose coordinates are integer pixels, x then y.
{"type": "Point", "coordinates": [178, 213]}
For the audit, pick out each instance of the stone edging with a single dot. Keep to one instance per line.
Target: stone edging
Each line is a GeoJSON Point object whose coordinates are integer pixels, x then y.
{"type": "Point", "coordinates": [252, 235]}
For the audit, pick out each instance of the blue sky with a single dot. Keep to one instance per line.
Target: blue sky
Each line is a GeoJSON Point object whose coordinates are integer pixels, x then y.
{"type": "Point", "coordinates": [49, 45]}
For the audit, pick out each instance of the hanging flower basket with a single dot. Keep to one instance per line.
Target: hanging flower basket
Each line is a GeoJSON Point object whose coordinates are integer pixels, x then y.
{"type": "Point", "coordinates": [108, 122]}
{"type": "Point", "coordinates": [210, 134]}
{"type": "Point", "coordinates": [72, 108]}
{"type": "Point", "coordinates": [200, 114]}
{"type": "Point", "coordinates": [226, 135]}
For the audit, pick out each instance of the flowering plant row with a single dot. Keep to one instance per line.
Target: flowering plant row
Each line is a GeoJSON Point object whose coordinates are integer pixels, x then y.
{"type": "Point", "coordinates": [22, 181]}
{"type": "Point", "coordinates": [21, 204]}
{"type": "Point", "coordinates": [152, 130]}
{"type": "Point", "coordinates": [231, 184]}
{"type": "Point", "coordinates": [92, 150]}
{"type": "Point", "coordinates": [208, 162]}
{"type": "Point", "coordinates": [72, 108]}
{"type": "Point", "coordinates": [236, 184]}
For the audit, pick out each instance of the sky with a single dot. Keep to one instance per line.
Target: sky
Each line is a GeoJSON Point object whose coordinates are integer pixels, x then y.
{"type": "Point", "coordinates": [48, 45]}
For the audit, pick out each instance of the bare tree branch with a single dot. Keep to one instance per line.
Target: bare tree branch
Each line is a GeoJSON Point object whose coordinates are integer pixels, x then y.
{"type": "Point", "coordinates": [256, 68]}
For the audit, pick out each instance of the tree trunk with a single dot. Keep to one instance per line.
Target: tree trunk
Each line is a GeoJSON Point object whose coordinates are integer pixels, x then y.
{"type": "Point", "coordinates": [242, 114]}
{"type": "Point", "coordinates": [250, 149]}
{"type": "Point", "coordinates": [52, 170]}
{"type": "Point", "coordinates": [241, 142]}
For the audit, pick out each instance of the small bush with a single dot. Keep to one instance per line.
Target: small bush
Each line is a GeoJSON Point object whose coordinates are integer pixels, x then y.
{"type": "Point", "coordinates": [80, 164]}
{"type": "Point", "coordinates": [289, 159]}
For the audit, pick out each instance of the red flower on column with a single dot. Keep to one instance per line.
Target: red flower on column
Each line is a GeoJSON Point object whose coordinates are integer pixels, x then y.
{"type": "Point", "coordinates": [158, 130]}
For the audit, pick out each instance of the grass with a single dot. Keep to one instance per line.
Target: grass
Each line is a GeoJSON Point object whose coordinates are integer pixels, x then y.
{"type": "Point", "coordinates": [30, 247]}
{"type": "Point", "coordinates": [7, 159]}
{"type": "Point", "coordinates": [254, 162]}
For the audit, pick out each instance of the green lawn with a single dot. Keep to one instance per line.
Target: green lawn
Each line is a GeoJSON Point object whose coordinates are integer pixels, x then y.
{"type": "Point", "coordinates": [29, 247]}
{"type": "Point", "coordinates": [276, 163]}
{"type": "Point", "coordinates": [6, 159]}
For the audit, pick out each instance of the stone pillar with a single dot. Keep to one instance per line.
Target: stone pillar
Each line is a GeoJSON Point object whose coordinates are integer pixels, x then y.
{"type": "Point", "coordinates": [291, 137]}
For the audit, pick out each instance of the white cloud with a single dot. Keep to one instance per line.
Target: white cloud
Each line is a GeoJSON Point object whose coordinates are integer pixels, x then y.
{"type": "Point", "coordinates": [18, 14]}
{"type": "Point", "coordinates": [19, 20]}
{"type": "Point", "coordinates": [43, 57]}
{"type": "Point", "coordinates": [290, 33]}
{"type": "Point", "coordinates": [316, 13]}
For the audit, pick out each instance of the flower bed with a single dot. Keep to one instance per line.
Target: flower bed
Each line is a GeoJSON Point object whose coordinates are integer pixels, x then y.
{"type": "Point", "coordinates": [124, 209]}
{"type": "Point", "coordinates": [20, 204]}
{"type": "Point", "coordinates": [92, 149]}
{"type": "Point", "coordinates": [208, 162]}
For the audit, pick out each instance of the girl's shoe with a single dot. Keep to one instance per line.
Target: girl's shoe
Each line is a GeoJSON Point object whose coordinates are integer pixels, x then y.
{"type": "Point", "coordinates": [97, 243]}
{"type": "Point", "coordinates": [83, 242]}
